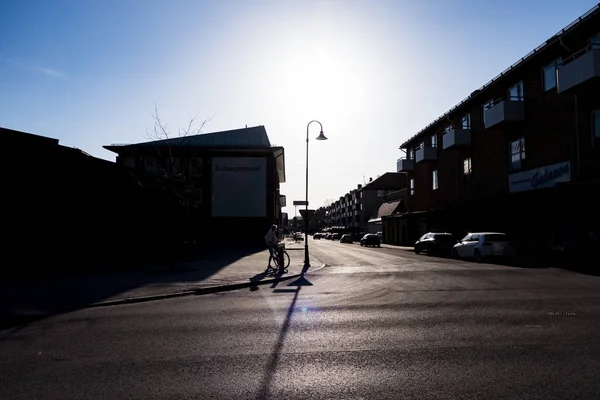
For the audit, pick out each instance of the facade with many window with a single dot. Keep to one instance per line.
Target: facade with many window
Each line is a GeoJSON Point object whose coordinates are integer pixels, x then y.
{"type": "Point", "coordinates": [520, 155]}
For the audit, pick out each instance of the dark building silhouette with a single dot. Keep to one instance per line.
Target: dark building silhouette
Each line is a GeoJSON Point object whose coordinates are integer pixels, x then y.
{"type": "Point", "coordinates": [521, 154]}
{"type": "Point", "coordinates": [227, 183]}
{"type": "Point", "coordinates": [63, 209]}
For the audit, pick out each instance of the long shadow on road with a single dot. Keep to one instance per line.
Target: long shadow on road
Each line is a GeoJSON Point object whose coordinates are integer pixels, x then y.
{"type": "Point", "coordinates": [28, 300]}
{"type": "Point", "coordinates": [271, 367]}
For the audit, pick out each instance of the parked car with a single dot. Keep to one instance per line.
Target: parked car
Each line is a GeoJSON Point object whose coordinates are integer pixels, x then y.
{"type": "Point", "coordinates": [370, 239]}
{"type": "Point", "coordinates": [438, 243]}
{"type": "Point", "coordinates": [346, 238]}
{"type": "Point", "coordinates": [335, 236]}
{"type": "Point", "coordinates": [482, 245]}
{"type": "Point", "coordinates": [298, 236]}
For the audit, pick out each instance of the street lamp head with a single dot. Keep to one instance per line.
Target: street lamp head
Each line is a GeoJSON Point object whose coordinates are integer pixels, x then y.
{"type": "Point", "coordinates": [321, 136]}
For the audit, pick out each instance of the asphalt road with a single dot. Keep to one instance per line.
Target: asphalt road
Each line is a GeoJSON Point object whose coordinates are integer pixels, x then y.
{"type": "Point", "coordinates": [374, 323]}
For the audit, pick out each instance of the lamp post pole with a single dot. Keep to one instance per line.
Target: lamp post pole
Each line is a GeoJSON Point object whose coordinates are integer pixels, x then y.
{"type": "Point", "coordinates": [306, 255]}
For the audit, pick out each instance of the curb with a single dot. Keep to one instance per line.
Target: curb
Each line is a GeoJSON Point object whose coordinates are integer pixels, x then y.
{"type": "Point", "coordinates": [195, 292]}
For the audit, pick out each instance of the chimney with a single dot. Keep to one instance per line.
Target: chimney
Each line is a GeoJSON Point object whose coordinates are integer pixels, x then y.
{"type": "Point", "coordinates": [370, 179]}
{"type": "Point", "coordinates": [359, 186]}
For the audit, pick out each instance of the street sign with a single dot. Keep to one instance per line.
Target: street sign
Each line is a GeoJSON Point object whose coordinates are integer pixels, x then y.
{"type": "Point", "coordinates": [300, 202]}
{"type": "Point", "coordinates": [310, 214]}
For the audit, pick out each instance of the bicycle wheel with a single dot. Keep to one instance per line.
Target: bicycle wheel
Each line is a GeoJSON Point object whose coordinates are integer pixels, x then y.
{"type": "Point", "coordinates": [286, 259]}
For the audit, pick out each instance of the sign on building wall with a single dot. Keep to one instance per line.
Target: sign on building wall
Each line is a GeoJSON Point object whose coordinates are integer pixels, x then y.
{"type": "Point", "coordinates": [239, 187]}
{"type": "Point", "coordinates": [540, 178]}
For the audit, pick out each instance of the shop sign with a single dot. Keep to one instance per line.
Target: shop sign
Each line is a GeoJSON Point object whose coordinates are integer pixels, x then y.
{"type": "Point", "coordinates": [540, 178]}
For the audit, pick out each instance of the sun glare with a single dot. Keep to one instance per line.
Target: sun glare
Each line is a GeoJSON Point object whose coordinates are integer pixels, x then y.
{"type": "Point", "coordinates": [322, 78]}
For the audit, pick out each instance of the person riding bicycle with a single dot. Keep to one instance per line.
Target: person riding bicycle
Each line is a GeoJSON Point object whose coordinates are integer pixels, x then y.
{"type": "Point", "coordinates": [272, 240]}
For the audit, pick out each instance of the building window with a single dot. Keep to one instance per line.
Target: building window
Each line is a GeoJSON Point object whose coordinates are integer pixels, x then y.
{"type": "Point", "coordinates": [487, 106]}
{"type": "Point", "coordinates": [550, 74]}
{"type": "Point", "coordinates": [466, 122]}
{"type": "Point", "coordinates": [196, 166]}
{"type": "Point", "coordinates": [129, 162]}
{"type": "Point", "coordinates": [434, 179]}
{"type": "Point", "coordinates": [594, 41]}
{"type": "Point", "coordinates": [151, 164]}
{"type": "Point", "coordinates": [447, 129]}
{"type": "Point", "coordinates": [515, 93]}
{"type": "Point", "coordinates": [434, 141]}
{"type": "Point", "coordinates": [467, 171]}
{"type": "Point", "coordinates": [380, 193]}
{"type": "Point", "coordinates": [412, 186]}
{"type": "Point", "coordinates": [517, 153]}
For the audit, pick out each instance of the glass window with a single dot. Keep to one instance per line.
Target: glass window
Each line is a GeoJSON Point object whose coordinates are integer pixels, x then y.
{"type": "Point", "coordinates": [466, 121]}
{"type": "Point", "coordinates": [447, 129]}
{"type": "Point", "coordinates": [151, 164]}
{"type": "Point", "coordinates": [196, 166]}
{"type": "Point", "coordinates": [434, 141]}
{"type": "Point", "coordinates": [595, 41]}
{"type": "Point", "coordinates": [550, 74]}
{"type": "Point", "coordinates": [434, 179]}
{"type": "Point", "coordinates": [412, 186]}
{"type": "Point", "coordinates": [380, 193]}
{"type": "Point", "coordinates": [467, 168]}
{"type": "Point", "coordinates": [496, 237]}
{"type": "Point", "coordinates": [517, 153]}
{"type": "Point", "coordinates": [487, 106]}
{"type": "Point", "coordinates": [515, 93]}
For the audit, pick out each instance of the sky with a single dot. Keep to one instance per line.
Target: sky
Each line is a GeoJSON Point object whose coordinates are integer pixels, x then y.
{"type": "Point", "coordinates": [373, 72]}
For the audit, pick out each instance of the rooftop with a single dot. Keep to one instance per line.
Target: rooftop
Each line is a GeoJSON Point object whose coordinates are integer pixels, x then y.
{"type": "Point", "coordinates": [253, 137]}
{"type": "Point", "coordinates": [387, 181]}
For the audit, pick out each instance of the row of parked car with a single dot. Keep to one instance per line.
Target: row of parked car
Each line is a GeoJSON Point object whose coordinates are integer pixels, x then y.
{"type": "Point", "coordinates": [477, 245]}
{"type": "Point", "coordinates": [369, 239]}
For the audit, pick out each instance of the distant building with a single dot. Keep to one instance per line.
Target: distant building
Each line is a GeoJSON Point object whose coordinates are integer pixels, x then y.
{"type": "Point", "coordinates": [229, 181]}
{"type": "Point", "coordinates": [356, 211]}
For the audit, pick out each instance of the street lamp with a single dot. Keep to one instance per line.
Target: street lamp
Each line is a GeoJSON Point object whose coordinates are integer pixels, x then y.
{"type": "Point", "coordinates": [306, 257]}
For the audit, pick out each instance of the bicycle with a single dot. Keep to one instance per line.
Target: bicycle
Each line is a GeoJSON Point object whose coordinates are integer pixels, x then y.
{"type": "Point", "coordinates": [281, 259]}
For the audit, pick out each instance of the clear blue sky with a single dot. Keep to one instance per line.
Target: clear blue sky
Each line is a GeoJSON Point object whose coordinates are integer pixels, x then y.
{"type": "Point", "coordinates": [374, 72]}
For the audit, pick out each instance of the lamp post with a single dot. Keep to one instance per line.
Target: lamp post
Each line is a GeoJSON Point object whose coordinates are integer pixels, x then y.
{"type": "Point", "coordinates": [320, 137]}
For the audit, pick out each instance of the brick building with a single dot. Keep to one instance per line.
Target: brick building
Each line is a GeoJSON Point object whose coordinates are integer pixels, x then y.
{"type": "Point", "coordinates": [520, 154]}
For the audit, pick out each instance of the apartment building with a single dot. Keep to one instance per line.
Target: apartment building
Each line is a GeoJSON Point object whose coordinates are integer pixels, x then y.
{"type": "Point", "coordinates": [346, 213]}
{"type": "Point", "coordinates": [520, 154]}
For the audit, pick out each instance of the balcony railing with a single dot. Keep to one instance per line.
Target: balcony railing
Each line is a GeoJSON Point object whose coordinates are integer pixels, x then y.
{"type": "Point", "coordinates": [504, 111]}
{"type": "Point", "coordinates": [580, 68]}
{"type": "Point", "coordinates": [426, 154]}
{"type": "Point", "coordinates": [405, 165]}
{"type": "Point", "coordinates": [456, 138]}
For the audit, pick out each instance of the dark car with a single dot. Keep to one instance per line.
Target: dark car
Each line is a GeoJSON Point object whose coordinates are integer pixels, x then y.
{"type": "Point", "coordinates": [438, 243]}
{"type": "Point", "coordinates": [370, 239]}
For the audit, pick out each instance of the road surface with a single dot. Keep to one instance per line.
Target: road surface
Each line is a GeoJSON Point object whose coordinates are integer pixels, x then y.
{"type": "Point", "coordinates": [375, 323]}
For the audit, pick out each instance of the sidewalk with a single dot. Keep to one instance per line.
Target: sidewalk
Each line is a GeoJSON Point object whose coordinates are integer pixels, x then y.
{"type": "Point", "coordinates": [223, 271]}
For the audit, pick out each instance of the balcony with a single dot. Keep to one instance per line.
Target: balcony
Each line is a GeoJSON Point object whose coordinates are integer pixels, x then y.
{"type": "Point", "coordinates": [456, 138]}
{"type": "Point", "coordinates": [505, 111]}
{"type": "Point", "coordinates": [580, 70]}
{"type": "Point", "coordinates": [426, 154]}
{"type": "Point", "coordinates": [405, 165]}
